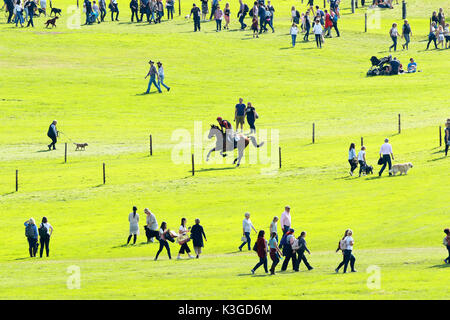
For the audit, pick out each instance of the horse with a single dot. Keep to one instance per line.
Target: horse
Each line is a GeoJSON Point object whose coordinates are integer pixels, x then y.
{"type": "Point", "coordinates": [223, 146]}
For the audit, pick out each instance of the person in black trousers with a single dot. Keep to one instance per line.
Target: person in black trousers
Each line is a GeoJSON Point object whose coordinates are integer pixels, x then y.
{"type": "Point", "coordinates": [195, 11]}
{"type": "Point", "coordinates": [301, 252]}
{"type": "Point", "coordinates": [45, 231]}
{"type": "Point", "coordinates": [432, 35]}
{"type": "Point", "coordinates": [31, 6]}
{"type": "Point", "coordinates": [114, 7]}
{"type": "Point", "coordinates": [385, 155]}
{"type": "Point", "coordinates": [447, 136]}
{"type": "Point", "coordinates": [243, 9]}
{"type": "Point", "coordinates": [52, 133]}
{"type": "Point", "coordinates": [134, 10]}
{"type": "Point", "coordinates": [102, 5]}
{"type": "Point", "coordinates": [307, 26]}
{"type": "Point", "coordinates": [346, 245]}
{"type": "Point", "coordinates": [163, 236]}
{"type": "Point", "coordinates": [447, 244]}
{"type": "Point", "coordinates": [288, 253]}
{"type": "Point", "coordinates": [10, 9]}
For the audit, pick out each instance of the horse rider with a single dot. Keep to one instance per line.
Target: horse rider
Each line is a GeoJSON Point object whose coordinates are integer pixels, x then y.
{"type": "Point", "coordinates": [225, 124]}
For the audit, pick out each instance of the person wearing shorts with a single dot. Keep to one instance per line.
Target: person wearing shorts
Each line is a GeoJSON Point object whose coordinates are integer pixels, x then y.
{"type": "Point", "coordinates": [239, 115]}
{"type": "Point", "coordinates": [44, 6]}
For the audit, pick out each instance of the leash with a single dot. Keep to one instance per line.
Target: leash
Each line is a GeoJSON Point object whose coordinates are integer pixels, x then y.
{"type": "Point", "coordinates": [66, 136]}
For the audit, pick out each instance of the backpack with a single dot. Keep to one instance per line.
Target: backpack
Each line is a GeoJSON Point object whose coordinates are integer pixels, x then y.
{"type": "Point", "coordinates": [255, 247]}
{"type": "Point", "coordinates": [245, 8]}
{"type": "Point", "coordinates": [295, 245]}
{"type": "Point", "coordinates": [342, 245]}
{"type": "Point", "coordinates": [29, 231]}
{"type": "Point", "coordinates": [297, 14]}
{"type": "Point", "coordinates": [283, 241]}
{"type": "Point", "coordinates": [43, 231]}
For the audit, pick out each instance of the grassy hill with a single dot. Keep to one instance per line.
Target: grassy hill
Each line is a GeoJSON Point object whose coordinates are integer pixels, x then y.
{"type": "Point", "coordinates": [91, 79]}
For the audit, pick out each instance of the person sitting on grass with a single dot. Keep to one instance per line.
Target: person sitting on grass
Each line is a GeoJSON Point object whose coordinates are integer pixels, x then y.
{"type": "Point", "coordinates": [412, 66]}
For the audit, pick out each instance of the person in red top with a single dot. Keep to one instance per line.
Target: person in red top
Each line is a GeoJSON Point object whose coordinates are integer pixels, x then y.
{"type": "Point", "coordinates": [261, 249]}
{"type": "Point", "coordinates": [328, 24]}
{"type": "Point", "coordinates": [225, 124]}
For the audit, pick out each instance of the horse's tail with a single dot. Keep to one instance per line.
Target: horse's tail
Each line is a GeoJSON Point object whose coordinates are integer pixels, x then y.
{"type": "Point", "coordinates": [253, 140]}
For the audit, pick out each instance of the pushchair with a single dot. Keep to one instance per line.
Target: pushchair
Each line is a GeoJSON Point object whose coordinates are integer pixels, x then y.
{"type": "Point", "coordinates": [379, 66]}
{"type": "Point", "coordinates": [92, 17]}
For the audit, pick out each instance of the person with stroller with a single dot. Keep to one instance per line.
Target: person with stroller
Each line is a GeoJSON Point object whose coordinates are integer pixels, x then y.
{"type": "Point", "coordinates": [362, 160]}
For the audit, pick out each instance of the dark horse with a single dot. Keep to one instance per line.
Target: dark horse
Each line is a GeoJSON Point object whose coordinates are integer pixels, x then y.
{"type": "Point", "coordinates": [223, 147]}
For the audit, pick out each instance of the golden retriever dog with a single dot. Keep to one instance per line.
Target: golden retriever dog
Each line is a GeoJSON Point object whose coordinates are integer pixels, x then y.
{"type": "Point", "coordinates": [80, 146]}
{"type": "Point", "coordinates": [402, 168]}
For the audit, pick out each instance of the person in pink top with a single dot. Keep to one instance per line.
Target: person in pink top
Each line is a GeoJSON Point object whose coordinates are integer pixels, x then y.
{"type": "Point", "coordinates": [218, 15]}
{"type": "Point", "coordinates": [285, 220]}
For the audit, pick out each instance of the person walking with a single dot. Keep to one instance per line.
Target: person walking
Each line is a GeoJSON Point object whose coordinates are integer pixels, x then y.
{"type": "Point", "coordinates": [362, 160]}
{"type": "Point", "coordinates": [386, 154]}
{"type": "Point", "coordinates": [31, 232]}
{"type": "Point", "coordinates": [285, 220]}
{"type": "Point", "coordinates": [393, 32]}
{"type": "Point", "coordinates": [247, 227]}
{"type": "Point", "coordinates": [348, 243]}
{"type": "Point", "coordinates": [197, 235]}
{"type": "Point", "coordinates": [406, 34]}
{"type": "Point", "coordinates": [274, 252]}
{"type": "Point", "coordinates": [45, 232]}
{"type": "Point", "coordinates": [447, 244]}
{"type": "Point", "coordinates": [255, 26]}
{"type": "Point", "coordinates": [239, 115]}
{"type": "Point", "coordinates": [10, 9]}
{"type": "Point", "coordinates": [293, 32]}
{"type": "Point", "coordinates": [102, 6]}
{"type": "Point", "coordinates": [214, 5]}
{"type": "Point", "coordinates": [183, 239]}
{"type": "Point", "coordinates": [19, 13]}
{"type": "Point", "coordinates": [53, 133]}
{"type": "Point", "coordinates": [170, 8]}
{"type": "Point", "coordinates": [307, 26]}
{"type": "Point", "coordinates": [88, 10]}
{"type": "Point", "coordinates": [301, 251]}
{"type": "Point", "coordinates": [30, 5]}
{"type": "Point", "coordinates": [133, 219]}
{"type": "Point", "coordinates": [134, 5]}
{"type": "Point", "coordinates": [432, 35]}
{"type": "Point", "coordinates": [114, 7]}
{"type": "Point", "coordinates": [195, 12]}
{"type": "Point", "coordinates": [151, 228]}
{"type": "Point", "coordinates": [251, 114]}
{"type": "Point", "coordinates": [161, 76]}
{"type": "Point", "coordinates": [261, 249]}
{"type": "Point", "coordinates": [218, 16]}
{"type": "Point", "coordinates": [243, 10]}
{"type": "Point", "coordinates": [318, 30]}
{"type": "Point", "coordinates": [352, 160]}
{"type": "Point", "coordinates": [447, 136]}
{"type": "Point", "coordinates": [205, 9]}
{"type": "Point", "coordinates": [274, 227]}
{"type": "Point", "coordinates": [335, 19]}
{"type": "Point", "coordinates": [288, 252]}
{"type": "Point", "coordinates": [163, 240]}
{"type": "Point", "coordinates": [153, 73]}
{"type": "Point", "coordinates": [226, 16]}
{"type": "Point", "coordinates": [341, 247]}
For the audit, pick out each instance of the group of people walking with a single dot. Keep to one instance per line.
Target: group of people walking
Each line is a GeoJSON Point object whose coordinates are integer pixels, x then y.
{"type": "Point", "coordinates": [154, 74]}
{"type": "Point", "coordinates": [36, 236]}
{"type": "Point", "coordinates": [96, 11]}
{"type": "Point", "coordinates": [439, 30]}
{"type": "Point", "coordinates": [386, 157]}
{"type": "Point", "coordinates": [21, 11]}
{"type": "Point", "coordinates": [164, 235]}
{"type": "Point", "coordinates": [152, 9]}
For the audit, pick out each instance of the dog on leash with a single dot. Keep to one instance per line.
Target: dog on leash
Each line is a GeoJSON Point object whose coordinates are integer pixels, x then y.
{"type": "Point", "coordinates": [402, 168]}
{"type": "Point", "coordinates": [52, 22]}
{"type": "Point", "coordinates": [80, 146]}
{"type": "Point", "coordinates": [55, 11]}
{"type": "Point", "coordinates": [368, 169]}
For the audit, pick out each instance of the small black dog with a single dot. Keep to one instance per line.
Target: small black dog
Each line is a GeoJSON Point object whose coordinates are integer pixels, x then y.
{"type": "Point", "coordinates": [42, 11]}
{"type": "Point", "coordinates": [368, 169]}
{"type": "Point", "coordinates": [55, 11]}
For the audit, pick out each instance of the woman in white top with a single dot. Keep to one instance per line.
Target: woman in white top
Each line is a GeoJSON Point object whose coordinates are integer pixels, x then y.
{"type": "Point", "coordinates": [133, 218]}
{"type": "Point", "coordinates": [19, 13]}
{"type": "Point", "coordinates": [362, 159]}
{"type": "Point", "coordinates": [352, 158]}
{"type": "Point", "coordinates": [161, 76]}
{"type": "Point", "coordinates": [151, 228]}
{"type": "Point", "coordinates": [45, 231]}
{"type": "Point", "coordinates": [294, 32]}
{"type": "Point", "coordinates": [440, 37]}
{"type": "Point", "coordinates": [183, 239]}
{"type": "Point", "coordinates": [247, 227]}
{"type": "Point", "coordinates": [274, 227]}
{"type": "Point", "coordinates": [346, 245]}
{"type": "Point", "coordinates": [318, 29]}
{"type": "Point", "coordinates": [394, 36]}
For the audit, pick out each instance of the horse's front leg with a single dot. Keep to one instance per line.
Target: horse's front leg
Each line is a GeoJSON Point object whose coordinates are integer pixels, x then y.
{"type": "Point", "coordinates": [207, 157]}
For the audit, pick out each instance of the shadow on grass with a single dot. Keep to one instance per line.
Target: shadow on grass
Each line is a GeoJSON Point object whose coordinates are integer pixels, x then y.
{"type": "Point", "coordinates": [215, 169]}
{"type": "Point", "coordinates": [252, 275]}
{"type": "Point", "coordinates": [8, 193]}
{"type": "Point", "coordinates": [437, 159]}
{"type": "Point", "coordinates": [441, 266]}
{"type": "Point", "coordinates": [47, 150]}
{"type": "Point", "coordinates": [286, 48]}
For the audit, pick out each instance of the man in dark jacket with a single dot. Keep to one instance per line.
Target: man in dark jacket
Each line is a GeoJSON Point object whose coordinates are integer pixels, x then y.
{"type": "Point", "coordinates": [31, 6]}
{"type": "Point", "coordinates": [262, 18]}
{"type": "Point", "coordinates": [52, 134]}
{"type": "Point", "coordinates": [301, 252]}
{"type": "Point", "coordinates": [288, 253]}
{"type": "Point", "coordinates": [10, 9]}
{"type": "Point", "coordinates": [88, 7]}
{"type": "Point", "coordinates": [243, 9]}
{"type": "Point", "coordinates": [134, 10]}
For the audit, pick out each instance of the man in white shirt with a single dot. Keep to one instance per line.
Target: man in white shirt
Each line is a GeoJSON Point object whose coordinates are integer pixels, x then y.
{"type": "Point", "coordinates": [385, 154]}
{"type": "Point", "coordinates": [362, 160]}
{"type": "Point", "coordinates": [285, 220]}
{"type": "Point", "coordinates": [247, 227]}
{"type": "Point", "coordinates": [318, 29]}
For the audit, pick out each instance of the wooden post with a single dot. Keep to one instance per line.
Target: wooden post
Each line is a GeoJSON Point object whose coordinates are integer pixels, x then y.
{"type": "Point", "coordinates": [104, 174]}
{"type": "Point", "coordinates": [353, 6]}
{"type": "Point", "coordinates": [314, 133]}
{"type": "Point", "coordinates": [403, 9]}
{"type": "Point", "coordinates": [17, 180]}
{"type": "Point", "coordinates": [179, 7]}
{"type": "Point", "coordinates": [365, 22]}
{"type": "Point", "coordinates": [324, 4]}
{"type": "Point", "coordinates": [65, 152]}
{"type": "Point", "coordinates": [77, 4]}
{"type": "Point", "coordinates": [193, 168]}
{"type": "Point", "coordinates": [279, 155]}
{"type": "Point", "coordinates": [151, 146]}
{"type": "Point", "coordinates": [399, 124]}
{"type": "Point", "coordinates": [440, 136]}
{"type": "Point", "coordinates": [356, 4]}
{"type": "Point", "coordinates": [362, 141]}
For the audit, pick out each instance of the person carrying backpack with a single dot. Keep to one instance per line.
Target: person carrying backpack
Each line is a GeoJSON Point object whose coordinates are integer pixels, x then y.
{"type": "Point", "coordinates": [447, 244]}
{"type": "Point", "coordinates": [45, 231]}
{"type": "Point", "coordinates": [288, 253]}
{"type": "Point", "coordinates": [346, 245]}
{"type": "Point", "coordinates": [301, 248]}
{"type": "Point", "coordinates": [261, 249]}
{"type": "Point", "coordinates": [243, 10]}
{"type": "Point", "coordinates": [31, 233]}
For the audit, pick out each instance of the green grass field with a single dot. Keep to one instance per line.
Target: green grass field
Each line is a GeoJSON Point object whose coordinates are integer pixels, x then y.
{"type": "Point", "coordinates": [92, 79]}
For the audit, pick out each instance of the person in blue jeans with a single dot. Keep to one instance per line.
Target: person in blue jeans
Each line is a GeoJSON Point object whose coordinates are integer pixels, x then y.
{"type": "Point", "coordinates": [161, 76]}
{"type": "Point", "coordinates": [31, 232]}
{"type": "Point", "coordinates": [153, 73]}
{"type": "Point", "coordinates": [247, 227]}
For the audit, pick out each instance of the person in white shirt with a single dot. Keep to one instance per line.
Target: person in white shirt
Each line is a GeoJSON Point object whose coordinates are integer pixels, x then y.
{"type": "Point", "coordinates": [161, 76]}
{"type": "Point", "coordinates": [183, 239]}
{"type": "Point", "coordinates": [352, 158]}
{"type": "Point", "coordinates": [385, 154]}
{"type": "Point", "coordinates": [346, 245]}
{"type": "Point", "coordinates": [285, 220]}
{"type": "Point", "coordinates": [133, 218]}
{"type": "Point", "coordinates": [318, 29]}
{"type": "Point", "coordinates": [151, 228]}
{"type": "Point", "coordinates": [274, 226]}
{"type": "Point", "coordinates": [362, 159]}
{"type": "Point", "coordinates": [294, 32]}
{"type": "Point", "coordinates": [45, 231]}
{"type": "Point", "coordinates": [247, 227]}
